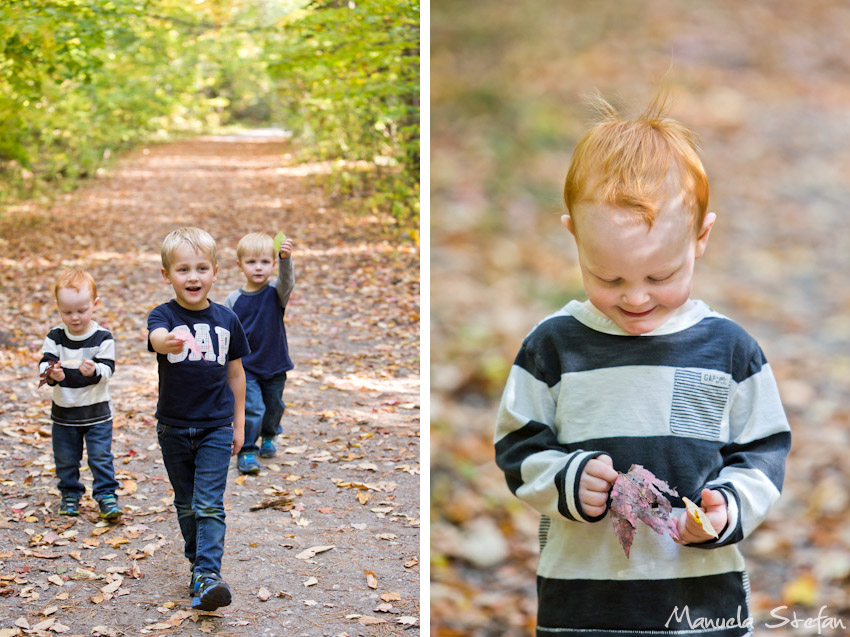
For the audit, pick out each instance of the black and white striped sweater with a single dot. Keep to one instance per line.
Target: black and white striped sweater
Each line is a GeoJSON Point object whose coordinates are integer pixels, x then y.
{"type": "Point", "coordinates": [693, 401]}
{"type": "Point", "coordinates": [80, 400]}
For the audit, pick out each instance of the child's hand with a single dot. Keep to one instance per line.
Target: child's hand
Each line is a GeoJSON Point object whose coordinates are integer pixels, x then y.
{"type": "Point", "coordinates": [173, 344]}
{"type": "Point", "coordinates": [714, 505]}
{"type": "Point", "coordinates": [595, 484]}
{"type": "Point", "coordinates": [56, 373]}
{"type": "Point", "coordinates": [286, 249]}
{"type": "Point", "coordinates": [88, 368]}
{"type": "Point", "coordinates": [238, 441]}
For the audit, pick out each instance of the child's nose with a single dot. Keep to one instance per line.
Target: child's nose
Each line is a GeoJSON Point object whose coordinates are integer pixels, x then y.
{"type": "Point", "coordinates": [635, 296]}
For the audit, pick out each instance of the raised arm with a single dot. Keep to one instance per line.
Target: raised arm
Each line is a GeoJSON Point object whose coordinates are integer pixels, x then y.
{"type": "Point", "coordinates": [285, 274]}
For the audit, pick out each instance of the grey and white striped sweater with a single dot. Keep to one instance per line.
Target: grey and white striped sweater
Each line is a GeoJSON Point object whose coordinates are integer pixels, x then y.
{"type": "Point", "coordinates": [693, 401]}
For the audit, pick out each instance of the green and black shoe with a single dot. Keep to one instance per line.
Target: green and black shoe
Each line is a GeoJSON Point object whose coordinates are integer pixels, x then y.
{"type": "Point", "coordinates": [69, 506]}
{"type": "Point", "coordinates": [109, 509]}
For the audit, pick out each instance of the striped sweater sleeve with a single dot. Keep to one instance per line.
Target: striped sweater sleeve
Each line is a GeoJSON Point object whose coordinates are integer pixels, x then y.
{"type": "Point", "coordinates": [754, 459]}
{"type": "Point", "coordinates": [538, 468]}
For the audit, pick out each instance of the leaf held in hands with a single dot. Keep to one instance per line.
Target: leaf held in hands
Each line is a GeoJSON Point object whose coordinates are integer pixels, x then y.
{"type": "Point", "coordinates": [639, 495]}
{"type": "Point", "coordinates": [190, 341]}
{"type": "Point", "coordinates": [279, 238]}
{"type": "Point", "coordinates": [699, 516]}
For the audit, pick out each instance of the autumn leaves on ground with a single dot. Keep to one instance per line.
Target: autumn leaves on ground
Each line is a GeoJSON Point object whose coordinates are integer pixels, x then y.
{"type": "Point", "coordinates": [325, 540]}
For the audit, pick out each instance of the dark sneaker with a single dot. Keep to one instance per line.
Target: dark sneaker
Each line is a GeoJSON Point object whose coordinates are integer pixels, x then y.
{"type": "Point", "coordinates": [69, 506]}
{"type": "Point", "coordinates": [109, 509]}
{"type": "Point", "coordinates": [212, 592]}
{"type": "Point", "coordinates": [194, 583]}
{"type": "Point", "coordinates": [247, 463]}
{"type": "Point", "coordinates": [268, 449]}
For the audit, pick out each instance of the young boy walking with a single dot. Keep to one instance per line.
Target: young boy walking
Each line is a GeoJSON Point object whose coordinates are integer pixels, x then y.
{"type": "Point", "coordinates": [78, 358]}
{"type": "Point", "coordinates": [201, 407]}
{"type": "Point", "coordinates": [641, 374]}
{"type": "Point", "coordinates": [260, 306]}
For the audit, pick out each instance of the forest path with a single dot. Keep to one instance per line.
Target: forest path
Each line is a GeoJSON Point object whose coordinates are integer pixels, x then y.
{"type": "Point", "coordinates": [349, 455]}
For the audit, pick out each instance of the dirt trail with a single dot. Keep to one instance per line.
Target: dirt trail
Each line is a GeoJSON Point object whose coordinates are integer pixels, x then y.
{"type": "Point", "coordinates": [347, 475]}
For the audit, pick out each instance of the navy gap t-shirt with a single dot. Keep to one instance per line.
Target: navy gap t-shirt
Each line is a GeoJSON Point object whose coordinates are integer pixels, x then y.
{"type": "Point", "coordinates": [193, 389]}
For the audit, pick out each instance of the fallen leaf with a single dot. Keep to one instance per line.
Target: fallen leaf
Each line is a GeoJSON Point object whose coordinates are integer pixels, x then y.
{"type": "Point", "coordinates": [310, 581]}
{"type": "Point", "coordinates": [366, 621]}
{"type": "Point", "coordinates": [264, 594]}
{"type": "Point", "coordinates": [307, 554]}
{"type": "Point", "coordinates": [44, 625]}
{"type": "Point", "coordinates": [391, 597]}
{"type": "Point", "coordinates": [371, 579]}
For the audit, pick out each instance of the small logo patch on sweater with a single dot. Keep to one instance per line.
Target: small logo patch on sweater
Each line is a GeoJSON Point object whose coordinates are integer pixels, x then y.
{"type": "Point", "coordinates": [715, 379]}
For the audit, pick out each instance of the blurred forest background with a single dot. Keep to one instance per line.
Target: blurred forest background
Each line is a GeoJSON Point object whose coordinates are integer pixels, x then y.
{"type": "Point", "coordinates": [767, 87]}
{"type": "Point", "coordinates": [83, 79]}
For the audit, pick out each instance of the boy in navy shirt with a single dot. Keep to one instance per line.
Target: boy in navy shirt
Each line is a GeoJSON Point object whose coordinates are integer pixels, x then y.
{"type": "Point", "coordinates": [201, 407]}
{"type": "Point", "coordinates": [260, 306]}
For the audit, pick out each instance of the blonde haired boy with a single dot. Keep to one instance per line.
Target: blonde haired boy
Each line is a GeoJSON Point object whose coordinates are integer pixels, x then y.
{"type": "Point", "coordinates": [78, 359]}
{"type": "Point", "coordinates": [640, 373]}
{"type": "Point", "coordinates": [261, 307]}
{"type": "Point", "coordinates": [201, 408]}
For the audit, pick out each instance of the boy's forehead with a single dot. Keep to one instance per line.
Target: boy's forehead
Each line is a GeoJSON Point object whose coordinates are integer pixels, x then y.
{"type": "Point", "coordinates": [671, 216]}
{"type": "Point", "coordinates": [71, 295]}
{"type": "Point", "coordinates": [187, 252]}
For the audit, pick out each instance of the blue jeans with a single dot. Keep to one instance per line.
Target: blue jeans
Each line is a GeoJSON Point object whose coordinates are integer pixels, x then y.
{"type": "Point", "coordinates": [197, 461]}
{"type": "Point", "coordinates": [264, 408]}
{"type": "Point", "coordinates": [68, 452]}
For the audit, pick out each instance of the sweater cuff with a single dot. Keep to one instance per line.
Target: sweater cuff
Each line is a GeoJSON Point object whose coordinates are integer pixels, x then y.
{"type": "Point", "coordinates": [568, 485]}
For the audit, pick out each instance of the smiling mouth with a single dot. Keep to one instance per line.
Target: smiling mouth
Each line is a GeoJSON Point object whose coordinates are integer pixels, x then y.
{"type": "Point", "coordinates": [636, 314]}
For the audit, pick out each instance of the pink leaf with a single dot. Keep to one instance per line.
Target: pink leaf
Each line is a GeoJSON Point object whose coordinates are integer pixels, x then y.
{"type": "Point", "coordinates": [187, 338]}
{"type": "Point", "coordinates": [639, 495]}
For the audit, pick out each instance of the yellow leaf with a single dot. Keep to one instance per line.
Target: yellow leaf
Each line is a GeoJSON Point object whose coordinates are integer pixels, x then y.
{"type": "Point", "coordinates": [700, 517]}
{"type": "Point", "coordinates": [115, 542]}
{"type": "Point", "coordinates": [803, 591]}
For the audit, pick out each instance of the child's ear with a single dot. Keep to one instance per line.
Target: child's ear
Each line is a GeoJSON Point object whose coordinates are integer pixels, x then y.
{"type": "Point", "coordinates": [164, 274]}
{"type": "Point", "coordinates": [704, 232]}
{"type": "Point", "coordinates": [567, 222]}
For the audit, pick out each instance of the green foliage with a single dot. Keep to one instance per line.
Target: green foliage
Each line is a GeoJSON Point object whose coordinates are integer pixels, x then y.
{"type": "Point", "coordinates": [80, 79]}
{"type": "Point", "coordinates": [348, 80]}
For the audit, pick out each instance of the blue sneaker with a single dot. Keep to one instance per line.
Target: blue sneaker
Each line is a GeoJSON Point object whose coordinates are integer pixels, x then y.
{"type": "Point", "coordinates": [212, 592]}
{"type": "Point", "coordinates": [268, 449]}
{"type": "Point", "coordinates": [247, 463]}
{"type": "Point", "coordinates": [69, 506]}
{"type": "Point", "coordinates": [109, 509]}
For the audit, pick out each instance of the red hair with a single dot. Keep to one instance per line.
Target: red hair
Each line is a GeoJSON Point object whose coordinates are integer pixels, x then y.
{"type": "Point", "coordinates": [638, 165]}
{"type": "Point", "coordinates": [76, 280]}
